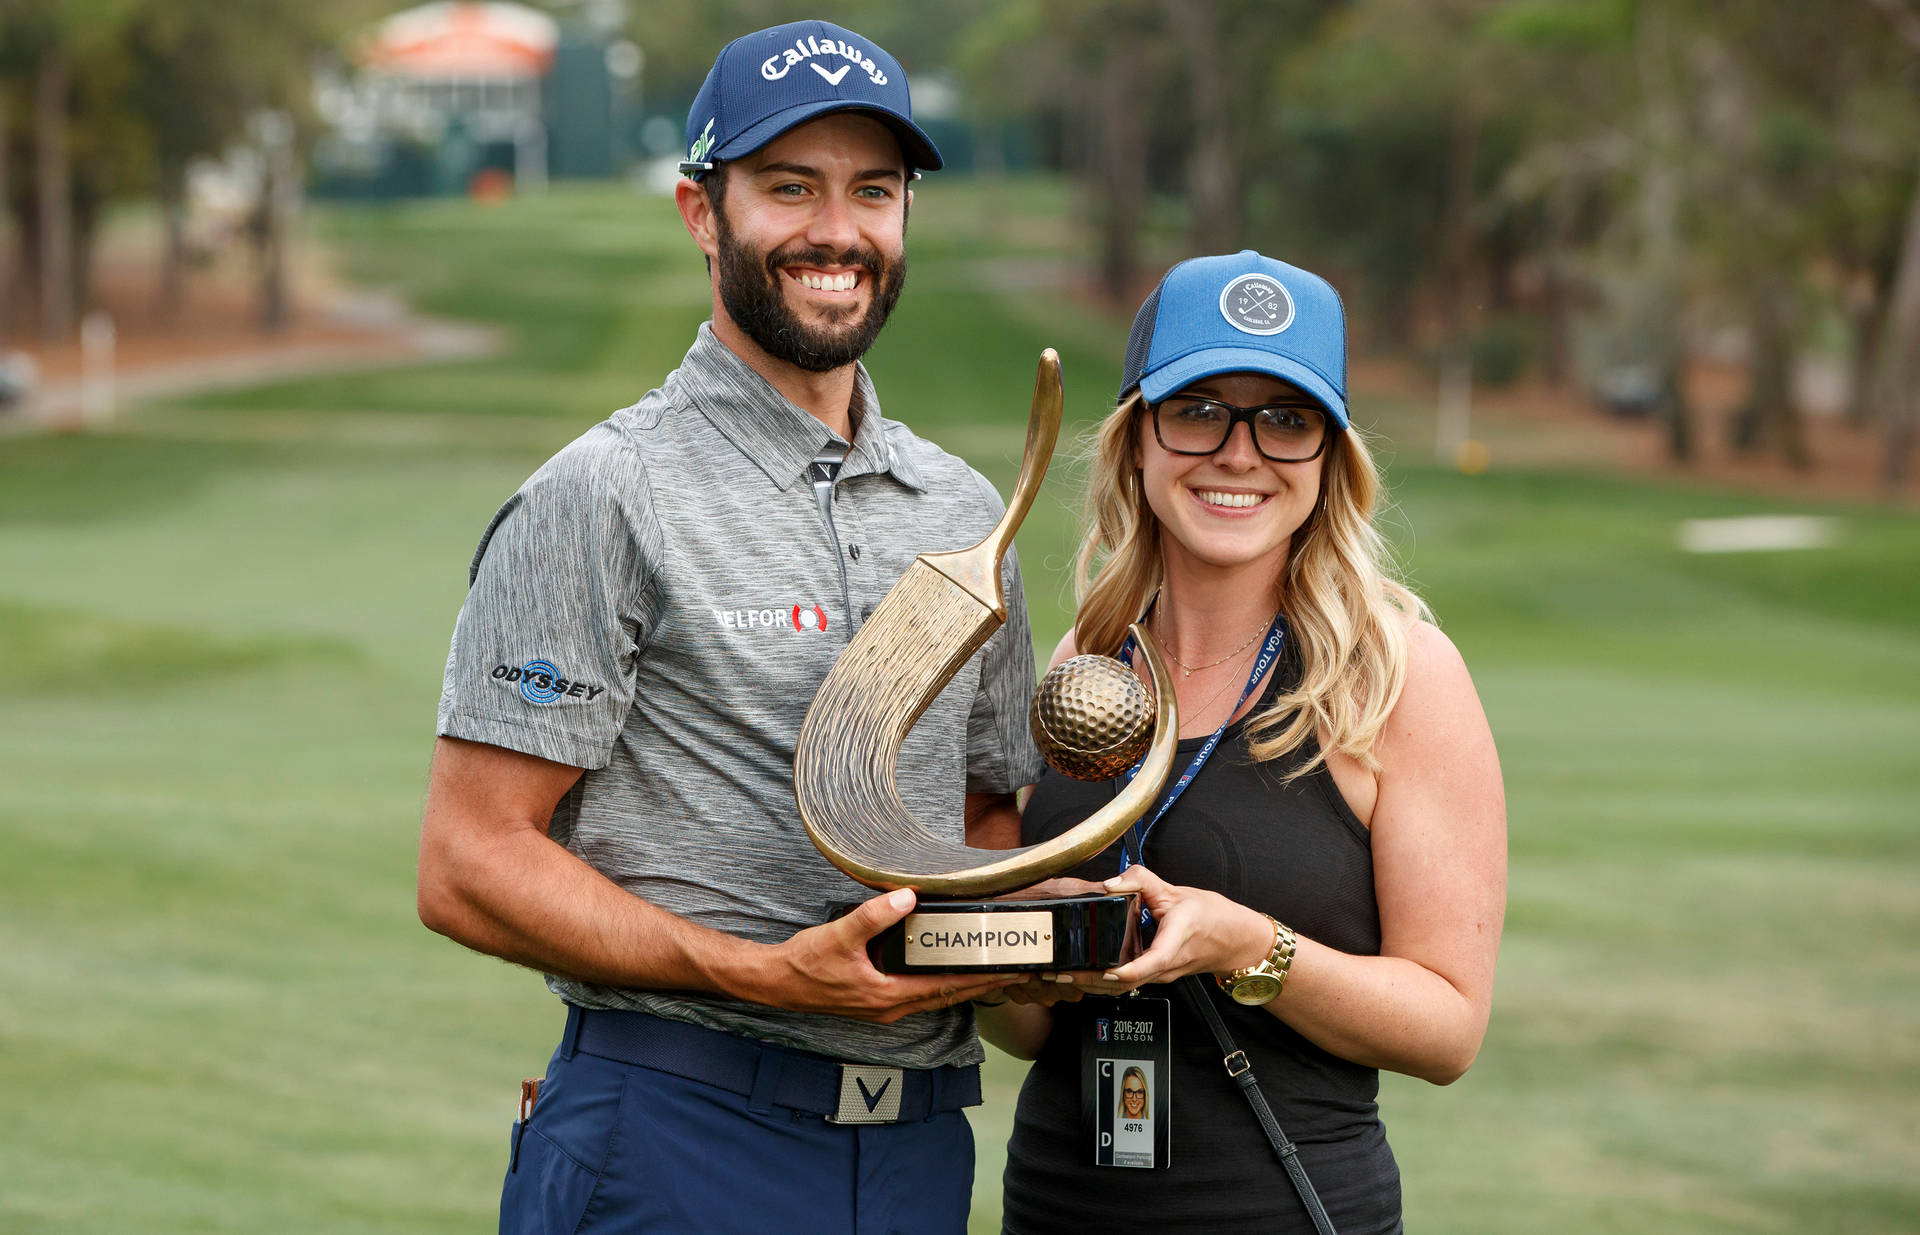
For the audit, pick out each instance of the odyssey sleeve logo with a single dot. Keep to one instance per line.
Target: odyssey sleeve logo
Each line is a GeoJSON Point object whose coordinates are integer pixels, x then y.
{"type": "Point", "coordinates": [1256, 304]}
{"type": "Point", "coordinates": [777, 66]}
{"type": "Point", "coordinates": [542, 682]}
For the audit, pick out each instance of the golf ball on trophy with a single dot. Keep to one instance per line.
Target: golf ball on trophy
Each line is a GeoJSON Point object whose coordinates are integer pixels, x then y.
{"type": "Point", "coordinates": [1091, 718]}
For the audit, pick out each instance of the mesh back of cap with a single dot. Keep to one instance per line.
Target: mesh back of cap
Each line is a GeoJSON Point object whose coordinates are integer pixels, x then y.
{"type": "Point", "coordinates": [1140, 339]}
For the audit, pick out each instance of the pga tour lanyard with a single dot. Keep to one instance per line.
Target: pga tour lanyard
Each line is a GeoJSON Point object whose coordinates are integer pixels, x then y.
{"type": "Point", "coordinates": [1276, 635]}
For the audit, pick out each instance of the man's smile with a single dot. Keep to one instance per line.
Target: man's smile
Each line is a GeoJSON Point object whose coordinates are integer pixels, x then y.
{"type": "Point", "coordinates": [819, 279]}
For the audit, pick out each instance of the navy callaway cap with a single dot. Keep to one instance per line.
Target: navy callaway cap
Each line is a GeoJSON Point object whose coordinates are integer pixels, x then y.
{"type": "Point", "coordinates": [1240, 313]}
{"type": "Point", "coordinates": [765, 83]}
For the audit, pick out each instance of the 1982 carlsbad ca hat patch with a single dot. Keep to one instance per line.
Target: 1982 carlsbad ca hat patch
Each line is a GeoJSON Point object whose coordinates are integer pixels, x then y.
{"type": "Point", "coordinates": [1257, 304]}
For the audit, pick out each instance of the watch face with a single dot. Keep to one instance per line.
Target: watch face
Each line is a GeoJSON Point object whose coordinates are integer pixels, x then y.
{"type": "Point", "coordinates": [1255, 989]}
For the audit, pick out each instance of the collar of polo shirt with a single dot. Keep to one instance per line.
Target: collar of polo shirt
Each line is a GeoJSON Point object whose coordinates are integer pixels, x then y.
{"type": "Point", "coordinates": [780, 438]}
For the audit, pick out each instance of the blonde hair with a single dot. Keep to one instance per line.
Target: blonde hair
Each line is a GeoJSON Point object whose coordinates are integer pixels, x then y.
{"type": "Point", "coordinates": [1347, 616]}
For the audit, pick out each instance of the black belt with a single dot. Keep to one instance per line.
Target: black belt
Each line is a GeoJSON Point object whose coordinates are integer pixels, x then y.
{"type": "Point", "coordinates": [768, 1075]}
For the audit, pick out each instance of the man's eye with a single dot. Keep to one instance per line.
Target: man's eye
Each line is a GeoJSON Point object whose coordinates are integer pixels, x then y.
{"type": "Point", "coordinates": [874, 192]}
{"type": "Point", "coordinates": [790, 190]}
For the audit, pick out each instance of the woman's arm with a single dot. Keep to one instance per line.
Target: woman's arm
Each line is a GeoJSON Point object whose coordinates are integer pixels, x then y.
{"type": "Point", "coordinates": [1439, 873]}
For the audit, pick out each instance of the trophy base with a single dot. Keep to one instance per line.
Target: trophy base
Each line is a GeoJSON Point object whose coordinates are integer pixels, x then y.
{"type": "Point", "coordinates": [1039, 935]}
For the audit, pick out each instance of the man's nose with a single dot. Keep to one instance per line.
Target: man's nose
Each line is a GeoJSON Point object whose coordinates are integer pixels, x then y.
{"type": "Point", "coordinates": [833, 226]}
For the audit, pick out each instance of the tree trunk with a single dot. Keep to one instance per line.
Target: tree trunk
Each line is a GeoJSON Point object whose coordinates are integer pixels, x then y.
{"type": "Point", "coordinates": [269, 235]}
{"type": "Point", "coordinates": [6, 251]}
{"type": "Point", "coordinates": [1557, 292]}
{"type": "Point", "coordinates": [1213, 174]}
{"type": "Point", "coordinates": [1864, 325]}
{"type": "Point", "coordinates": [1898, 355]}
{"type": "Point", "coordinates": [56, 221]}
{"type": "Point", "coordinates": [1659, 214]}
{"type": "Point", "coordinates": [1121, 177]}
{"type": "Point", "coordinates": [1769, 416]}
{"type": "Point", "coordinates": [173, 258]}
{"type": "Point", "coordinates": [1453, 410]}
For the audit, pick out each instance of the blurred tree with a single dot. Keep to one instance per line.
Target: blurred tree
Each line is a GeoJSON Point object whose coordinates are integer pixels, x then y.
{"type": "Point", "coordinates": [6, 250]}
{"type": "Point", "coordinates": [126, 93]}
{"type": "Point", "coordinates": [1214, 190]}
{"type": "Point", "coordinates": [196, 70]}
{"type": "Point", "coordinates": [53, 49]}
{"type": "Point", "coordinates": [1095, 65]}
{"type": "Point", "coordinates": [1807, 126]}
{"type": "Point", "coordinates": [1120, 61]}
{"type": "Point", "coordinates": [1893, 373]}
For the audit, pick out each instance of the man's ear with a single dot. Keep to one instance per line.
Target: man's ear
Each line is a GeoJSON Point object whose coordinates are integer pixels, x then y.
{"type": "Point", "coordinates": [696, 211]}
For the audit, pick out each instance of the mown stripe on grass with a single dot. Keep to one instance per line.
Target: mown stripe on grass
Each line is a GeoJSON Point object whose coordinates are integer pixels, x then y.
{"type": "Point", "coordinates": [73, 650]}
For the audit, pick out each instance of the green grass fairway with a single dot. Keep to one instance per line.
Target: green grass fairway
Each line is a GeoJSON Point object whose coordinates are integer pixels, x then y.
{"type": "Point", "coordinates": [223, 629]}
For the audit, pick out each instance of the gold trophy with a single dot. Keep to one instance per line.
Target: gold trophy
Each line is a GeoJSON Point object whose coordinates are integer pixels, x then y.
{"type": "Point", "coordinates": [1086, 718]}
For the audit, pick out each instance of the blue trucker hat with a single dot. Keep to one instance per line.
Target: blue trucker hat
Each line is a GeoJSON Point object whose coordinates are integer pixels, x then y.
{"type": "Point", "coordinates": [1240, 313]}
{"type": "Point", "coordinates": [763, 84]}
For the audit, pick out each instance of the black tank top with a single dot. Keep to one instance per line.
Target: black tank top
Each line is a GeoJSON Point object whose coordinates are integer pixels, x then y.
{"type": "Point", "coordinates": [1295, 851]}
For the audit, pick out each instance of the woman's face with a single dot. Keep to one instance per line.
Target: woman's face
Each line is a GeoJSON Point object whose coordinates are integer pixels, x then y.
{"type": "Point", "coordinates": [1133, 1092]}
{"type": "Point", "coordinates": [1234, 507]}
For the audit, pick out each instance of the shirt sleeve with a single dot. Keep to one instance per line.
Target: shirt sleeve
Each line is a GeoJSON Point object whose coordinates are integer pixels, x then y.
{"type": "Point", "coordinates": [1001, 756]}
{"type": "Point", "coordinates": [544, 651]}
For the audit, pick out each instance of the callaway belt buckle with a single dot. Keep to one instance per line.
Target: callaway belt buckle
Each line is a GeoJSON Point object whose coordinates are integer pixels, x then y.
{"type": "Point", "coordinates": [869, 1094]}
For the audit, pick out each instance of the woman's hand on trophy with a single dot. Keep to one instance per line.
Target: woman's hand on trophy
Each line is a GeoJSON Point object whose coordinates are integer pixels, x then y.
{"type": "Point", "coordinates": [1195, 931]}
{"type": "Point", "coordinates": [825, 968]}
{"type": "Point", "coordinates": [1059, 885]}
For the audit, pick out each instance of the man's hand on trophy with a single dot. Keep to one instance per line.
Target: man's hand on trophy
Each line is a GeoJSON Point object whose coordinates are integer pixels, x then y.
{"type": "Point", "coordinates": [825, 968]}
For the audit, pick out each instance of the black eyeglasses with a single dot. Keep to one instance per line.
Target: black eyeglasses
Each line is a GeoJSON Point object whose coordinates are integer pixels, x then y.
{"type": "Point", "coordinates": [1291, 432]}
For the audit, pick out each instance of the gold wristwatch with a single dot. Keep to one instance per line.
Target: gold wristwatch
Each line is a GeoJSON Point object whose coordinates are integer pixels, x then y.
{"type": "Point", "coordinates": [1258, 984]}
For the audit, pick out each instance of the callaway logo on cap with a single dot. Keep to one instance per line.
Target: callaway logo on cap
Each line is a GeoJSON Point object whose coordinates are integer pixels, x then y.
{"type": "Point", "coordinates": [765, 83]}
{"type": "Point", "coordinates": [1240, 313]}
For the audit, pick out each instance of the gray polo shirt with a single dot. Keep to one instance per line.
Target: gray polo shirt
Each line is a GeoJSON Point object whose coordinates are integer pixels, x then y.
{"type": "Point", "coordinates": [658, 604]}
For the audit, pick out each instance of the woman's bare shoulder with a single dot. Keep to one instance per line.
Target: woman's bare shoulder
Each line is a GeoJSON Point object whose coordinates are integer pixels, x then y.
{"type": "Point", "coordinates": [1438, 703]}
{"type": "Point", "coordinates": [1065, 651]}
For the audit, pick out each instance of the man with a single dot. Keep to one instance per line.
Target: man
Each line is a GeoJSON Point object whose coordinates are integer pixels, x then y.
{"type": "Point", "coordinates": [611, 798]}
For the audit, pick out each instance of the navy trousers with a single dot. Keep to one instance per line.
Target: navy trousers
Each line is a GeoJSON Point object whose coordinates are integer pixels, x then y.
{"type": "Point", "coordinates": [614, 1147]}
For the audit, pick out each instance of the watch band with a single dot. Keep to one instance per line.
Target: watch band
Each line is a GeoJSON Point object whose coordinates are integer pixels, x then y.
{"type": "Point", "coordinates": [1262, 983]}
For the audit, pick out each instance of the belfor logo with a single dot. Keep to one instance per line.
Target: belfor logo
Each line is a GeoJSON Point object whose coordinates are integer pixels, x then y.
{"type": "Point", "coordinates": [803, 618]}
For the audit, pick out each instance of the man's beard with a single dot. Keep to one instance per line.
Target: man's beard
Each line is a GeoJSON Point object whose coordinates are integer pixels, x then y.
{"type": "Point", "coordinates": [751, 291]}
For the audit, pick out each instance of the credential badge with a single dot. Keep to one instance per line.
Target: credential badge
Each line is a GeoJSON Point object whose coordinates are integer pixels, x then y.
{"type": "Point", "coordinates": [1256, 304]}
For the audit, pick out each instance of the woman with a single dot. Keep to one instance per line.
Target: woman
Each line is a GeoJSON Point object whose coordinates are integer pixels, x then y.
{"type": "Point", "coordinates": [1344, 842]}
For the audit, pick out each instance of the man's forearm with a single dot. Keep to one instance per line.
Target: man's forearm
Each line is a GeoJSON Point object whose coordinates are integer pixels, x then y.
{"type": "Point", "coordinates": [523, 898]}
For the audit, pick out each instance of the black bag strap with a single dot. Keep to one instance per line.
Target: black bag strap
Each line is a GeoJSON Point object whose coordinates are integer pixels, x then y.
{"type": "Point", "coordinates": [1240, 1069]}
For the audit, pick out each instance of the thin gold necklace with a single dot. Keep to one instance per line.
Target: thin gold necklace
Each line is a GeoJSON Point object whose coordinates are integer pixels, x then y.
{"type": "Point", "coordinates": [1215, 697]}
{"type": "Point", "coordinates": [1191, 716]}
{"type": "Point", "coordinates": [1189, 670]}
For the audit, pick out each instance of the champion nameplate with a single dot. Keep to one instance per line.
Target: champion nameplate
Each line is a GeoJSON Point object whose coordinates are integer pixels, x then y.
{"type": "Point", "coordinates": [979, 938]}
